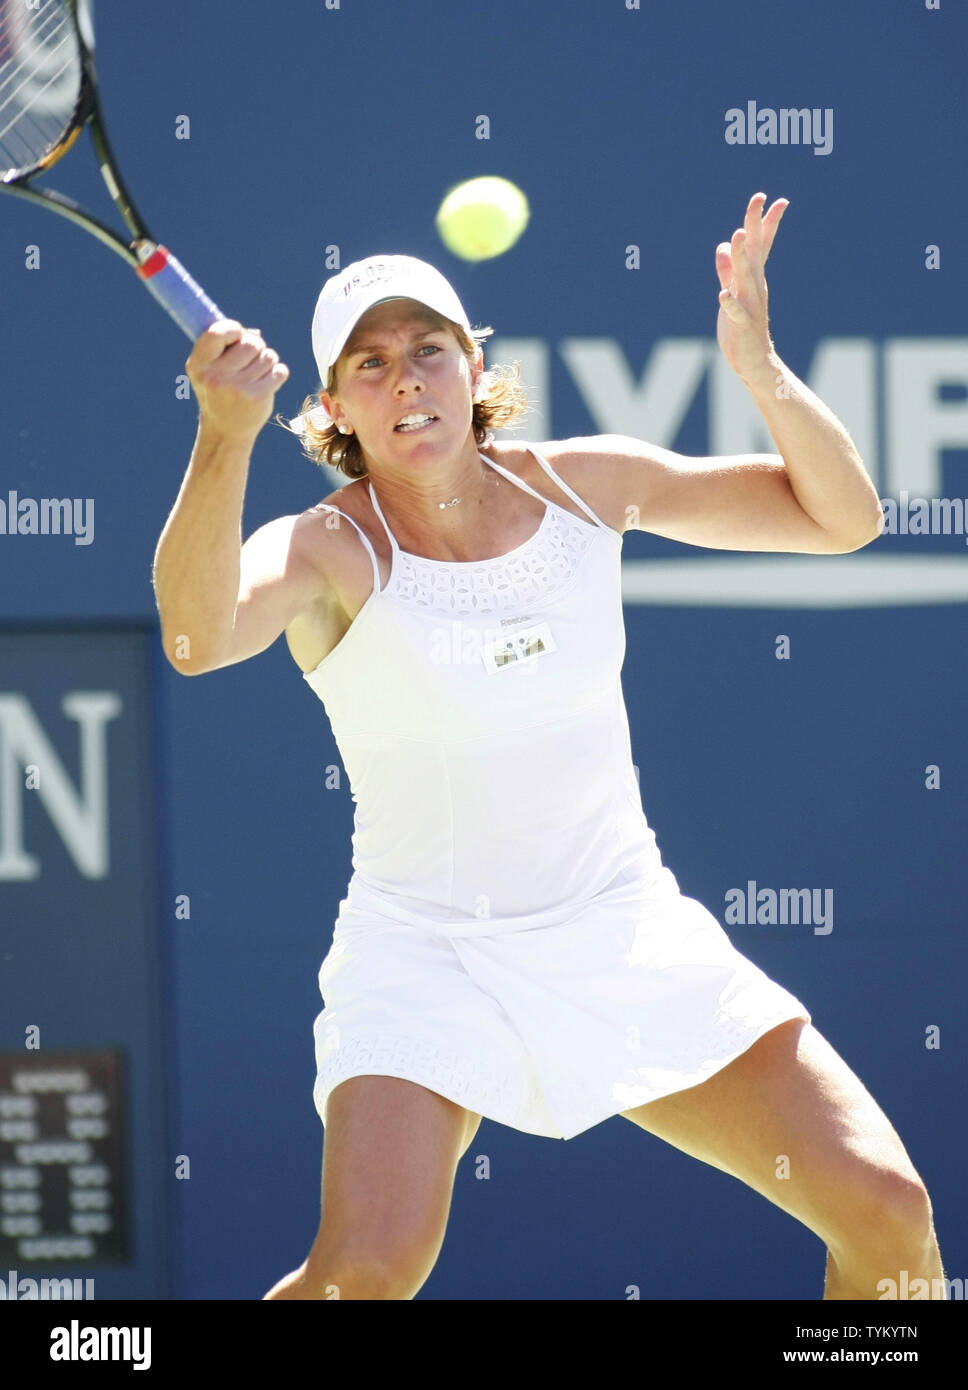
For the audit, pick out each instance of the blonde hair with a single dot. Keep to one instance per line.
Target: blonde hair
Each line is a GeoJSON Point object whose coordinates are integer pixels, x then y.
{"type": "Point", "coordinates": [503, 402]}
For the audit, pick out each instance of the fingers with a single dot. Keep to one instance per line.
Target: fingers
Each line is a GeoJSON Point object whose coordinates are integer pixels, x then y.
{"type": "Point", "coordinates": [214, 341]}
{"type": "Point", "coordinates": [761, 231]}
{"type": "Point", "coordinates": [732, 262]}
{"type": "Point", "coordinates": [724, 264]}
{"type": "Point", "coordinates": [238, 353]}
{"type": "Point", "coordinates": [751, 242]}
{"type": "Point", "coordinates": [229, 353]}
{"type": "Point", "coordinates": [263, 364]}
{"type": "Point", "coordinates": [732, 307]}
{"type": "Point", "coordinates": [771, 222]}
{"type": "Point", "coordinates": [751, 222]}
{"type": "Point", "coordinates": [228, 343]}
{"type": "Point", "coordinates": [740, 277]}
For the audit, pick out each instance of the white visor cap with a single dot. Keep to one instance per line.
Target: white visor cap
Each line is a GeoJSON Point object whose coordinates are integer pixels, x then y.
{"type": "Point", "coordinates": [346, 297]}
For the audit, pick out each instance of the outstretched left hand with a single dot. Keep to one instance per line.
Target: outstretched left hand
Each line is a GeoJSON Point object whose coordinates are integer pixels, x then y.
{"type": "Point", "coordinates": [743, 328]}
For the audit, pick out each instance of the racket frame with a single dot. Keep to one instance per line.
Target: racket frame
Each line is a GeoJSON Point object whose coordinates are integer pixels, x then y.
{"type": "Point", "coordinates": [160, 271]}
{"type": "Point", "coordinates": [87, 112]}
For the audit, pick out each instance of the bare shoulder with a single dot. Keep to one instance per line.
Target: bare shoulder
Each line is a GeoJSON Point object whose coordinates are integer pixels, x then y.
{"type": "Point", "coordinates": [343, 565]}
{"type": "Point", "coordinates": [583, 462]}
{"type": "Point", "coordinates": [321, 532]}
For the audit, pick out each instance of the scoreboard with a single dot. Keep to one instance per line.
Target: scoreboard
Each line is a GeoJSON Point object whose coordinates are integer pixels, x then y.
{"type": "Point", "coordinates": [62, 1171]}
{"type": "Point", "coordinates": [87, 1172]}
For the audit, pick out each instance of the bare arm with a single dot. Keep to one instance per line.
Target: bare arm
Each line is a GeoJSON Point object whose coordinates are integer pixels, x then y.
{"type": "Point", "coordinates": [198, 561]}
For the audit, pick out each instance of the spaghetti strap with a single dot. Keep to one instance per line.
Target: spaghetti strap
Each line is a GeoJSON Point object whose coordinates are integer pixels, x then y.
{"type": "Point", "coordinates": [512, 478]}
{"type": "Point", "coordinates": [566, 489]}
{"type": "Point", "coordinates": [377, 580]}
{"type": "Point", "coordinates": [554, 476]}
{"type": "Point", "coordinates": [371, 490]}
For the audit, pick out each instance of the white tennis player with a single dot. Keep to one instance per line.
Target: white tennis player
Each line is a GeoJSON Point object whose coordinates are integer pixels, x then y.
{"type": "Point", "coordinates": [511, 944]}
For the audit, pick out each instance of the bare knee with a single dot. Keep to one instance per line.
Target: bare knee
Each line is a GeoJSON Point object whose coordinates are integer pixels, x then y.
{"type": "Point", "coordinates": [911, 1218]}
{"type": "Point", "coordinates": [371, 1273]}
{"type": "Point", "coordinates": [888, 1214]}
{"type": "Point", "coordinates": [300, 1284]}
{"type": "Point", "coordinates": [389, 1161]}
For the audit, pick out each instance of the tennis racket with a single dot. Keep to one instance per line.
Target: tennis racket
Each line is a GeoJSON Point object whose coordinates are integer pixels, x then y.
{"type": "Point", "coordinates": [48, 94]}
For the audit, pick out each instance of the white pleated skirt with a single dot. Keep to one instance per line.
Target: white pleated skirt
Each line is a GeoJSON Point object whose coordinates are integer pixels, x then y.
{"type": "Point", "coordinates": [549, 1029]}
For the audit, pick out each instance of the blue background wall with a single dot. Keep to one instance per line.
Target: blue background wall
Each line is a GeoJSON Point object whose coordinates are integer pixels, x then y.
{"type": "Point", "coordinates": [343, 128]}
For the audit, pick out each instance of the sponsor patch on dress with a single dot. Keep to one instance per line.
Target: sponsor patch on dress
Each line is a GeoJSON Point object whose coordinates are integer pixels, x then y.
{"type": "Point", "coordinates": [514, 648]}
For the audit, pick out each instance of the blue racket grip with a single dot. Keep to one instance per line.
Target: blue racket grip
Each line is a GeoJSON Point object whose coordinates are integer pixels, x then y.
{"type": "Point", "coordinates": [176, 291]}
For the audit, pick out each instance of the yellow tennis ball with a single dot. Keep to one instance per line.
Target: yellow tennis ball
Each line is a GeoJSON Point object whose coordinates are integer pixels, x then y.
{"type": "Point", "coordinates": [482, 218]}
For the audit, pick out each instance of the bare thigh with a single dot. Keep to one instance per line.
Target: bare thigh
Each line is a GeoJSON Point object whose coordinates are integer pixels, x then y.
{"type": "Point", "coordinates": [791, 1120]}
{"type": "Point", "coordinates": [390, 1157]}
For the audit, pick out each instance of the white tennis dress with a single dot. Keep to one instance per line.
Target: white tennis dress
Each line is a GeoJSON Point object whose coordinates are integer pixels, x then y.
{"type": "Point", "coordinates": [510, 938]}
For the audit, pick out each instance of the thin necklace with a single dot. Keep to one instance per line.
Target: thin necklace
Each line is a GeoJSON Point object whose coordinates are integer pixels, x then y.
{"type": "Point", "coordinates": [455, 500]}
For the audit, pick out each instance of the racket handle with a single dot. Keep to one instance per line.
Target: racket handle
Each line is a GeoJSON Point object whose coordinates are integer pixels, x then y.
{"type": "Point", "coordinates": [176, 291]}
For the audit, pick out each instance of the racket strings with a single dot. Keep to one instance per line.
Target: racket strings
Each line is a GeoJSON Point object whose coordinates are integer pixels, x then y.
{"type": "Point", "coordinates": [40, 81]}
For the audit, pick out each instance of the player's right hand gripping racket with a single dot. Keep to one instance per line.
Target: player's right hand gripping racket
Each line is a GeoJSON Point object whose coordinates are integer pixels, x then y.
{"type": "Point", "coordinates": [48, 94]}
